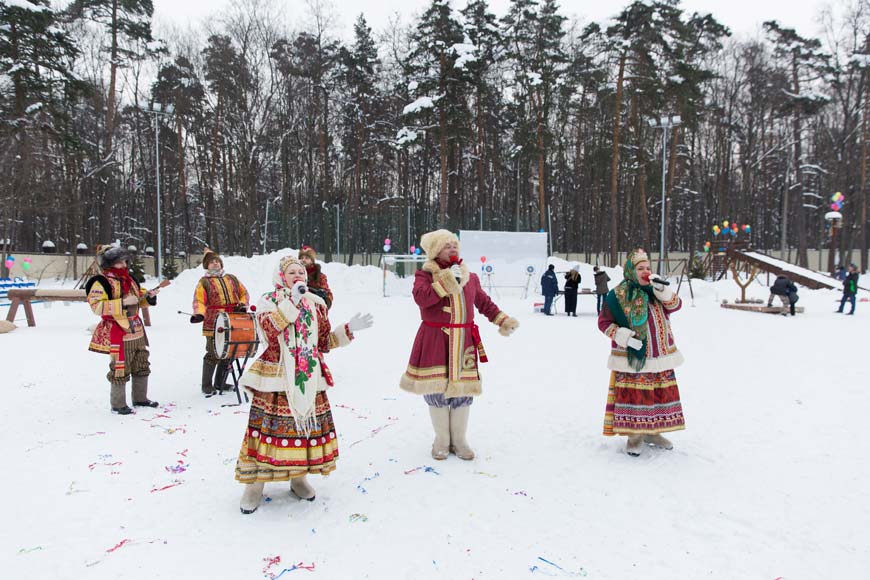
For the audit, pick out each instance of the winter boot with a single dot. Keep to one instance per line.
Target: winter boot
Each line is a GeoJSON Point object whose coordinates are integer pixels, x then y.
{"type": "Point", "coordinates": [657, 440]}
{"type": "Point", "coordinates": [441, 423]}
{"type": "Point", "coordinates": [221, 375]}
{"type": "Point", "coordinates": [300, 487]}
{"type": "Point", "coordinates": [207, 374]}
{"type": "Point", "coordinates": [140, 392]}
{"type": "Point", "coordinates": [634, 445]}
{"type": "Point", "coordinates": [251, 497]}
{"type": "Point", "coordinates": [118, 399]}
{"type": "Point", "coordinates": [458, 427]}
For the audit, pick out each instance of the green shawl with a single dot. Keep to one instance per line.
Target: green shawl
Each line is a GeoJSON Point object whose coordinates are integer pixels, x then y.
{"type": "Point", "coordinates": [629, 305]}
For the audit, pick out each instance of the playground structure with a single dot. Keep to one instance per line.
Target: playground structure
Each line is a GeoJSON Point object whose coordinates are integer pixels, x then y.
{"type": "Point", "coordinates": [745, 265]}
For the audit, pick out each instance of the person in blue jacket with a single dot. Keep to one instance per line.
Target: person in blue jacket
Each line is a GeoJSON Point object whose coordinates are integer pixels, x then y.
{"type": "Point", "coordinates": [549, 288]}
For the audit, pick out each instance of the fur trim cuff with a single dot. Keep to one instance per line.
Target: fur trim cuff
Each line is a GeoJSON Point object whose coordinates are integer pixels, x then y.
{"type": "Point", "coordinates": [508, 326]}
{"type": "Point", "coordinates": [447, 282]}
{"type": "Point", "coordinates": [652, 365]}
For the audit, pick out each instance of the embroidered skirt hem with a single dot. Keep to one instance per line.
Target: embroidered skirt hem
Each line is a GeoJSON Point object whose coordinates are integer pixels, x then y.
{"type": "Point", "coordinates": [274, 450]}
{"type": "Point", "coordinates": [643, 404]}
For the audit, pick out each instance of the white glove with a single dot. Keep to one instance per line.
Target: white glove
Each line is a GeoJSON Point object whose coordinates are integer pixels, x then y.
{"type": "Point", "coordinates": [456, 271]}
{"type": "Point", "coordinates": [657, 285]}
{"type": "Point", "coordinates": [130, 300]}
{"type": "Point", "coordinates": [662, 292]}
{"type": "Point", "coordinates": [297, 291]}
{"type": "Point", "coordinates": [622, 336]}
{"type": "Point", "coordinates": [635, 343]}
{"type": "Point", "coordinates": [360, 322]}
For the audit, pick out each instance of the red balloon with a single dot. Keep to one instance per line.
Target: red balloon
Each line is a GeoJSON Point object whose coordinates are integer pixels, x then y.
{"type": "Point", "coordinates": [483, 259]}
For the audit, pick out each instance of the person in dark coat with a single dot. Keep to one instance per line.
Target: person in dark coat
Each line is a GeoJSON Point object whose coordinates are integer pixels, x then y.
{"type": "Point", "coordinates": [572, 285]}
{"type": "Point", "coordinates": [850, 289]}
{"type": "Point", "coordinates": [549, 288]}
{"type": "Point", "coordinates": [601, 289]}
{"type": "Point", "coordinates": [787, 293]}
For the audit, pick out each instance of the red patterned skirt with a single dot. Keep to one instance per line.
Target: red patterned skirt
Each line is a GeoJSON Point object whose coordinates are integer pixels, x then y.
{"type": "Point", "coordinates": [643, 403]}
{"type": "Point", "coordinates": [273, 450]}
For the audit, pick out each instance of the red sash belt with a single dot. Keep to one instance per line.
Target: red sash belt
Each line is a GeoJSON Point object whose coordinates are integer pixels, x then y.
{"type": "Point", "coordinates": [475, 335]}
{"type": "Point", "coordinates": [116, 345]}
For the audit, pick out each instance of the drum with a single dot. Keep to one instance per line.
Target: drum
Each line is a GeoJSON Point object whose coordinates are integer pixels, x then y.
{"type": "Point", "coordinates": [235, 335]}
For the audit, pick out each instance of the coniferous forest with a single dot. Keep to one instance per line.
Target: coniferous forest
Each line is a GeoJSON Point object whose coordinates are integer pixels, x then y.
{"type": "Point", "coordinates": [255, 124]}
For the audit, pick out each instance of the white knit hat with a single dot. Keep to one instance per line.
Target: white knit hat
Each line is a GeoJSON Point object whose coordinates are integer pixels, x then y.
{"type": "Point", "coordinates": [433, 242]}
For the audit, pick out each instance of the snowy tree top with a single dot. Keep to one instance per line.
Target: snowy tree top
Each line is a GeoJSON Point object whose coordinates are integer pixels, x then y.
{"type": "Point", "coordinates": [25, 5]}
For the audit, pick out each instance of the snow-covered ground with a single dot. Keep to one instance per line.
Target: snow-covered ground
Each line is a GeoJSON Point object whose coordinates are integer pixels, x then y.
{"type": "Point", "coordinates": [768, 481]}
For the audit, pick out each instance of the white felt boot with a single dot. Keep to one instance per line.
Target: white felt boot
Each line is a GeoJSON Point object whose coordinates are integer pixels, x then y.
{"type": "Point", "coordinates": [658, 441]}
{"type": "Point", "coordinates": [251, 497]}
{"type": "Point", "coordinates": [634, 445]}
{"type": "Point", "coordinates": [301, 488]}
{"type": "Point", "coordinates": [441, 424]}
{"type": "Point", "coordinates": [458, 428]}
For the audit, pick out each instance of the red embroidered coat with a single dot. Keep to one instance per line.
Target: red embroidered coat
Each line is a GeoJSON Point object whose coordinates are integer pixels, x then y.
{"type": "Point", "coordinates": [445, 359]}
{"type": "Point", "coordinates": [104, 298]}
{"type": "Point", "coordinates": [269, 373]}
{"type": "Point", "coordinates": [662, 353]}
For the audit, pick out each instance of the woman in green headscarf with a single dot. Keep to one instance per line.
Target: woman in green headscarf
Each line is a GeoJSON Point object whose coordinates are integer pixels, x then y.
{"type": "Point", "coordinates": [643, 400]}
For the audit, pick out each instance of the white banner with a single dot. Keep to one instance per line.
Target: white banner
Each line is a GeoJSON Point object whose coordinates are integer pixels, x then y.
{"type": "Point", "coordinates": [504, 258]}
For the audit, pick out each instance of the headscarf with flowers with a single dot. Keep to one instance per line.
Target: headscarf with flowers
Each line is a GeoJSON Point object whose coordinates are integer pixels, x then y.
{"type": "Point", "coordinates": [629, 305]}
{"type": "Point", "coordinates": [300, 353]}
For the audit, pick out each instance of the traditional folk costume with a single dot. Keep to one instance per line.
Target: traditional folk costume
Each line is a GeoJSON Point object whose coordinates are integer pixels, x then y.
{"type": "Point", "coordinates": [444, 359]}
{"type": "Point", "coordinates": [215, 292]}
{"type": "Point", "coordinates": [317, 282]}
{"type": "Point", "coordinates": [290, 430]}
{"type": "Point", "coordinates": [120, 333]}
{"type": "Point", "coordinates": [643, 399]}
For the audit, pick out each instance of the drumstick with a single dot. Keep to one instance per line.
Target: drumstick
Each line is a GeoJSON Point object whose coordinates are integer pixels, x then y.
{"type": "Point", "coordinates": [185, 313]}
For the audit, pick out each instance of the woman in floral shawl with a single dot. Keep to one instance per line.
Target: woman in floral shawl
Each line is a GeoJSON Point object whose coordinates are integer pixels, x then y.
{"type": "Point", "coordinates": [290, 432]}
{"type": "Point", "coordinates": [643, 400]}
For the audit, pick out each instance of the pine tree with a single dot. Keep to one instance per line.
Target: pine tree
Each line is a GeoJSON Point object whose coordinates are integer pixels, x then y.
{"type": "Point", "coordinates": [804, 63]}
{"type": "Point", "coordinates": [126, 22]}
{"type": "Point", "coordinates": [359, 64]}
{"type": "Point", "coordinates": [441, 81]}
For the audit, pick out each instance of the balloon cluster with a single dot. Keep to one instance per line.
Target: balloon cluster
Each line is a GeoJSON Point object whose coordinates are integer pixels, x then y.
{"type": "Point", "coordinates": [387, 244]}
{"type": "Point", "coordinates": [10, 261]}
{"type": "Point", "coordinates": [837, 201]}
{"type": "Point", "coordinates": [729, 229]}
{"type": "Point", "coordinates": [414, 250]}
{"type": "Point", "coordinates": [28, 262]}
{"type": "Point", "coordinates": [707, 246]}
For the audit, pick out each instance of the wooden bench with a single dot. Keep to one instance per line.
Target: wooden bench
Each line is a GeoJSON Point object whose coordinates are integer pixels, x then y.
{"type": "Point", "coordinates": [26, 296]}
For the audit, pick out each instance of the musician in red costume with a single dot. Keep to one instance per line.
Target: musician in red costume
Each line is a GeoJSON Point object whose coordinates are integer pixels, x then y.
{"type": "Point", "coordinates": [215, 292]}
{"type": "Point", "coordinates": [116, 298]}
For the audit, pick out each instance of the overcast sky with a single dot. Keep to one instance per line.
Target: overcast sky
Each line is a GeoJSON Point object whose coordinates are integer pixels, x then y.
{"type": "Point", "coordinates": [744, 17]}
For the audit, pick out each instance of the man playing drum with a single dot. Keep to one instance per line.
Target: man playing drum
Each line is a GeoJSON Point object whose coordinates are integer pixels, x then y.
{"type": "Point", "coordinates": [216, 292]}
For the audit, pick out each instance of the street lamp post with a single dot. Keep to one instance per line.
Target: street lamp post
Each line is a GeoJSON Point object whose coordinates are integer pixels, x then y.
{"type": "Point", "coordinates": [664, 124]}
{"type": "Point", "coordinates": [158, 111]}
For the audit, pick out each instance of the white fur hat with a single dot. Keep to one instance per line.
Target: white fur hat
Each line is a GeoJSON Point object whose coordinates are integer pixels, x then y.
{"type": "Point", "coordinates": [433, 242]}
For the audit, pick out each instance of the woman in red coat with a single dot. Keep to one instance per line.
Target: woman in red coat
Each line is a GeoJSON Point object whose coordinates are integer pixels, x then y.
{"type": "Point", "coordinates": [443, 366]}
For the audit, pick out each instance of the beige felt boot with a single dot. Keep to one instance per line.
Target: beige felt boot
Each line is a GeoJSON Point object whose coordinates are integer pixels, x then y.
{"type": "Point", "coordinates": [251, 497]}
{"type": "Point", "coordinates": [300, 487]}
{"type": "Point", "coordinates": [441, 424]}
{"type": "Point", "coordinates": [458, 428]}
{"type": "Point", "coordinates": [634, 445]}
{"type": "Point", "coordinates": [658, 440]}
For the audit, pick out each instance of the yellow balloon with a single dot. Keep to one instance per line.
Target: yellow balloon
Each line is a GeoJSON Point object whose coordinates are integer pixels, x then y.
{"type": "Point", "coordinates": [725, 223]}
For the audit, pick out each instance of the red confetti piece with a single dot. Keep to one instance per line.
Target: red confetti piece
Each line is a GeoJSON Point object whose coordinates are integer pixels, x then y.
{"type": "Point", "coordinates": [165, 487]}
{"type": "Point", "coordinates": [123, 542]}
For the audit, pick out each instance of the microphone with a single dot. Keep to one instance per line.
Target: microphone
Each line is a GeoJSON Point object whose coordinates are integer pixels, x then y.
{"type": "Point", "coordinates": [660, 281]}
